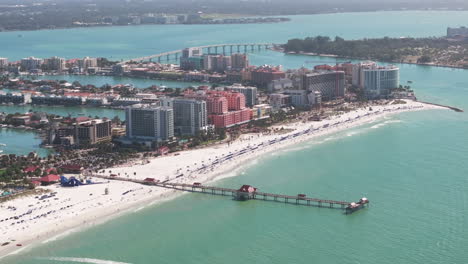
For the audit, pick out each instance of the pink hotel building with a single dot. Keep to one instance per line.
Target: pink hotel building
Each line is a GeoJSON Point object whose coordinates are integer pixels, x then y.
{"type": "Point", "coordinates": [225, 109]}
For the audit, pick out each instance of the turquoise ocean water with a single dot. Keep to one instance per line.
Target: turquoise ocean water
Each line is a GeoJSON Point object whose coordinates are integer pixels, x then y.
{"type": "Point", "coordinates": [411, 166]}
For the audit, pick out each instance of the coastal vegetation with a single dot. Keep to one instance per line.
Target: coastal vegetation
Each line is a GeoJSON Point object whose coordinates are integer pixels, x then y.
{"type": "Point", "coordinates": [437, 51]}
{"type": "Point", "coordinates": [28, 15]}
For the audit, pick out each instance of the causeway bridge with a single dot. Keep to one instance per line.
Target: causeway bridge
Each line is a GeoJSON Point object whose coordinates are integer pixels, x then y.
{"type": "Point", "coordinates": [223, 49]}
{"type": "Point", "coordinates": [247, 192]}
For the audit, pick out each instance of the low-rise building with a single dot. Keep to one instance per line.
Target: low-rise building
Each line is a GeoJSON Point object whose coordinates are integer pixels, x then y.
{"type": "Point", "coordinates": [56, 100]}
{"type": "Point", "coordinates": [299, 98]}
{"type": "Point", "coordinates": [278, 101]}
{"type": "Point", "coordinates": [280, 85]}
{"type": "Point", "coordinates": [126, 101]}
{"type": "Point", "coordinates": [231, 118]}
{"type": "Point", "coordinates": [21, 120]}
{"type": "Point", "coordinates": [11, 98]}
{"type": "Point", "coordinates": [83, 131]}
{"type": "Point", "coordinates": [93, 131]}
{"type": "Point", "coordinates": [261, 111]}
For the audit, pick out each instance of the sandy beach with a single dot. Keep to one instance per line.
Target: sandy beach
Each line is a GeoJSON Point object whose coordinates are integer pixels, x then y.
{"type": "Point", "coordinates": [33, 220]}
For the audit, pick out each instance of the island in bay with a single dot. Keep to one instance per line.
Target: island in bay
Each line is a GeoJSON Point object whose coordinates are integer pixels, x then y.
{"type": "Point", "coordinates": [448, 51]}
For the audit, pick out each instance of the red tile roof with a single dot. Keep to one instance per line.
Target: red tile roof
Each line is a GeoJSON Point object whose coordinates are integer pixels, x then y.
{"type": "Point", "coordinates": [82, 119]}
{"type": "Point", "coordinates": [50, 178]}
{"type": "Point", "coordinates": [31, 169]}
{"type": "Point", "coordinates": [36, 183]}
{"type": "Point", "coordinates": [247, 188]}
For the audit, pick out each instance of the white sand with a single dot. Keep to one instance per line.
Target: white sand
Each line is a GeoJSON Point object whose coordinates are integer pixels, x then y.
{"type": "Point", "coordinates": [73, 209]}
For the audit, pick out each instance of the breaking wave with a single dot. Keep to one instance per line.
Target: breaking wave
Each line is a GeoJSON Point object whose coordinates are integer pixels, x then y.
{"type": "Point", "coordinates": [87, 260]}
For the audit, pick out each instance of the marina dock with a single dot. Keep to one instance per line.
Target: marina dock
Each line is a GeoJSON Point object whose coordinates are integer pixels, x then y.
{"type": "Point", "coordinates": [247, 192]}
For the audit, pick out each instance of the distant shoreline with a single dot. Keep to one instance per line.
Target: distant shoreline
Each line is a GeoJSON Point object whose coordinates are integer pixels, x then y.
{"type": "Point", "coordinates": [366, 59]}
{"type": "Point", "coordinates": [286, 19]}
{"type": "Point", "coordinates": [246, 15]}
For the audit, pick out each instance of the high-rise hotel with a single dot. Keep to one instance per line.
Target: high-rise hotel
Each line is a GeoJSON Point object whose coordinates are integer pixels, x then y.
{"type": "Point", "coordinates": [149, 122]}
{"type": "Point", "coordinates": [376, 80]}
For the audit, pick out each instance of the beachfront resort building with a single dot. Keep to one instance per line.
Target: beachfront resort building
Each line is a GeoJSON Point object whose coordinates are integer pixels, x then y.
{"type": "Point", "coordinates": [94, 131]}
{"type": "Point", "coordinates": [81, 131]}
{"type": "Point", "coordinates": [375, 80]}
{"type": "Point", "coordinates": [378, 81]}
{"type": "Point", "coordinates": [357, 70]}
{"type": "Point", "coordinates": [225, 108]}
{"type": "Point", "coordinates": [190, 116]}
{"type": "Point", "coordinates": [261, 111]}
{"type": "Point", "coordinates": [279, 100]}
{"type": "Point", "coordinates": [330, 84]}
{"type": "Point", "coordinates": [149, 122]}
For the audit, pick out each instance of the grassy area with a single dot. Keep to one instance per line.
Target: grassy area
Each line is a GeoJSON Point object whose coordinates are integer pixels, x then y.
{"type": "Point", "coordinates": [24, 194]}
{"type": "Point", "coordinates": [398, 102]}
{"type": "Point", "coordinates": [2, 171]}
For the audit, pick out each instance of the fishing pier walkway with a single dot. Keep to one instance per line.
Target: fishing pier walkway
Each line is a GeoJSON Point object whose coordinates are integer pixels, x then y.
{"type": "Point", "coordinates": [247, 192]}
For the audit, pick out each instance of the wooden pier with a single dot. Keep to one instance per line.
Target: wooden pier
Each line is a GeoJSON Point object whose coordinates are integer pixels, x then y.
{"type": "Point", "coordinates": [247, 192]}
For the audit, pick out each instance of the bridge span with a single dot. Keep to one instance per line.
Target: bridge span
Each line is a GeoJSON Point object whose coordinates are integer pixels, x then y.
{"type": "Point", "coordinates": [223, 49]}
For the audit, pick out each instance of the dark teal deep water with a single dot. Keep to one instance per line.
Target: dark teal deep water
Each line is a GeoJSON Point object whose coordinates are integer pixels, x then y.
{"type": "Point", "coordinates": [411, 166]}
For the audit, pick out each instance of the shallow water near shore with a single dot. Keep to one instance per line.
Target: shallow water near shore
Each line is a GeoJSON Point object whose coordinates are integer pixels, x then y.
{"type": "Point", "coordinates": [20, 142]}
{"type": "Point", "coordinates": [412, 167]}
